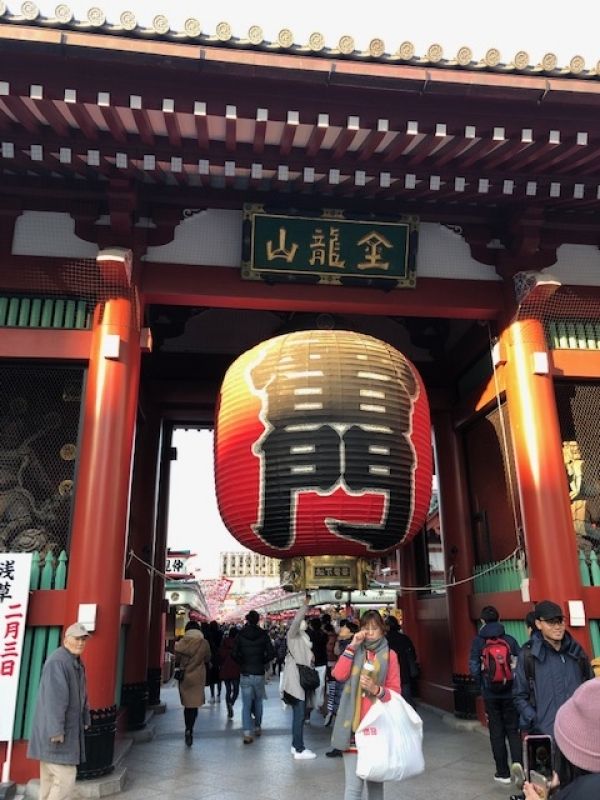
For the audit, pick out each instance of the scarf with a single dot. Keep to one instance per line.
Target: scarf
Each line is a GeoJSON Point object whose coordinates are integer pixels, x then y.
{"type": "Point", "coordinates": [348, 715]}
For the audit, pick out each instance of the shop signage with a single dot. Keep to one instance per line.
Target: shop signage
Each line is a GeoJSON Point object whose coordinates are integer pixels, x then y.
{"type": "Point", "coordinates": [330, 248]}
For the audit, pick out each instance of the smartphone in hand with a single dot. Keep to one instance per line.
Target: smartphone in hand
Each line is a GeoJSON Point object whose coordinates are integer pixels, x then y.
{"type": "Point", "coordinates": [538, 756]}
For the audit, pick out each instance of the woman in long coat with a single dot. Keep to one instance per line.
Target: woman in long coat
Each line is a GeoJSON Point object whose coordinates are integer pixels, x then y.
{"type": "Point", "coordinates": [192, 655]}
{"type": "Point", "coordinates": [299, 652]}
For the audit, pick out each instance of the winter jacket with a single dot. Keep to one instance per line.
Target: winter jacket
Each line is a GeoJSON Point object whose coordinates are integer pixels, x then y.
{"type": "Point", "coordinates": [331, 640]}
{"type": "Point", "coordinates": [61, 709]}
{"type": "Point", "coordinates": [318, 638]}
{"type": "Point", "coordinates": [252, 650]}
{"type": "Point", "coordinates": [402, 645]}
{"type": "Point", "coordinates": [491, 630]}
{"type": "Point", "coordinates": [299, 652]}
{"type": "Point", "coordinates": [193, 654]}
{"type": "Point", "coordinates": [587, 787]}
{"type": "Point", "coordinates": [229, 669]}
{"type": "Point", "coordinates": [557, 673]}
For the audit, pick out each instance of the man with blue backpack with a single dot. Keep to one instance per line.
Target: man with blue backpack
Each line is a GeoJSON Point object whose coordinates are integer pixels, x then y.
{"type": "Point", "coordinates": [491, 662]}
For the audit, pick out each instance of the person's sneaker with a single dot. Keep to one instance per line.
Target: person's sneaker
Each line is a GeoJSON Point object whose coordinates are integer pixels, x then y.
{"type": "Point", "coordinates": [293, 750]}
{"type": "Point", "coordinates": [303, 754]}
{"type": "Point", "coordinates": [502, 778]}
{"type": "Point", "coordinates": [334, 753]}
{"type": "Point", "coordinates": [517, 773]}
{"type": "Point", "coordinates": [328, 718]}
{"type": "Point", "coordinates": [248, 739]}
{"type": "Point", "coordinates": [257, 731]}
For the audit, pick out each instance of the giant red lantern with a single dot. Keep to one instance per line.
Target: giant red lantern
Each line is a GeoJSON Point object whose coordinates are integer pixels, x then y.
{"type": "Point", "coordinates": [323, 446]}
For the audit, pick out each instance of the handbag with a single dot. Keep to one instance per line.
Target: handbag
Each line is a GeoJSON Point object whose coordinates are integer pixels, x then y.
{"type": "Point", "coordinates": [309, 677]}
{"type": "Point", "coordinates": [389, 741]}
{"type": "Point", "coordinates": [179, 673]}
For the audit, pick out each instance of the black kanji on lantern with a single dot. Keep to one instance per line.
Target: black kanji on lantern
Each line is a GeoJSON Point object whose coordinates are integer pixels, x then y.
{"type": "Point", "coordinates": [335, 417]}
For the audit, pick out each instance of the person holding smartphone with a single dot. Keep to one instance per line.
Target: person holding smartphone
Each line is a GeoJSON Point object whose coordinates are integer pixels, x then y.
{"type": "Point", "coordinates": [577, 750]}
{"type": "Point", "coordinates": [370, 669]}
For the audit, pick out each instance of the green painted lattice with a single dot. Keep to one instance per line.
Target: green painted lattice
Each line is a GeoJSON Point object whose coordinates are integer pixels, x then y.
{"type": "Point", "coordinates": [44, 312]}
{"type": "Point", "coordinates": [38, 643]}
{"type": "Point", "coordinates": [573, 335]}
{"type": "Point", "coordinates": [497, 577]}
{"type": "Point", "coordinates": [589, 569]}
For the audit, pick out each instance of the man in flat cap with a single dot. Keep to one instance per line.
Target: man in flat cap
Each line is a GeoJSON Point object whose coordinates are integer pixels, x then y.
{"type": "Point", "coordinates": [61, 717]}
{"type": "Point", "coordinates": [549, 669]}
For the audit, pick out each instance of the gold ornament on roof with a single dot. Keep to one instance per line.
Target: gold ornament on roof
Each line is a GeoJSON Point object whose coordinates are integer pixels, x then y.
{"type": "Point", "coordinates": [161, 24]}
{"type": "Point", "coordinates": [316, 41]}
{"type": "Point", "coordinates": [68, 452]}
{"type": "Point", "coordinates": [376, 48]}
{"type": "Point", "coordinates": [224, 32]}
{"type": "Point", "coordinates": [285, 38]}
{"type": "Point", "coordinates": [406, 51]}
{"type": "Point", "coordinates": [492, 57]}
{"type": "Point", "coordinates": [577, 64]}
{"type": "Point", "coordinates": [435, 53]}
{"type": "Point", "coordinates": [346, 45]}
{"type": "Point", "coordinates": [63, 14]}
{"type": "Point", "coordinates": [521, 60]}
{"type": "Point", "coordinates": [65, 488]}
{"type": "Point", "coordinates": [192, 27]}
{"type": "Point", "coordinates": [464, 56]}
{"type": "Point", "coordinates": [256, 35]}
{"type": "Point", "coordinates": [30, 11]}
{"type": "Point", "coordinates": [96, 17]}
{"type": "Point", "coordinates": [549, 62]}
{"type": "Point", "coordinates": [128, 21]}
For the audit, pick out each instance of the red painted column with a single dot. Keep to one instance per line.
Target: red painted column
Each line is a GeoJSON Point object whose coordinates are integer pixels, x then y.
{"type": "Point", "coordinates": [543, 491]}
{"type": "Point", "coordinates": [97, 554]}
{"type": "Point", "coordinates": [142, 533]}
{"type": "Point", "coordinates": [456, 532]}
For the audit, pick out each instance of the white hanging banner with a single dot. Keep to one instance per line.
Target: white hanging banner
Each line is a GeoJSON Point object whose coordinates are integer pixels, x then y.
{"type": "Point", "coordinates": [15, 571]}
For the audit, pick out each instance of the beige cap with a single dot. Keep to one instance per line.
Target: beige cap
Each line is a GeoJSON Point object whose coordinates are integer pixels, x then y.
{"type": "Point", "coordinates": [77, 630]}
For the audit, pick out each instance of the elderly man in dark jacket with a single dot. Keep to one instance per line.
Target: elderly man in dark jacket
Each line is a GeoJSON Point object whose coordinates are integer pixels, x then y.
{"type": "Point", "coordinates": [253, 650]}
{"type": "Point", "coordinates": [550, 668]}
{"type": "Point", "coordinates": [61, 716]}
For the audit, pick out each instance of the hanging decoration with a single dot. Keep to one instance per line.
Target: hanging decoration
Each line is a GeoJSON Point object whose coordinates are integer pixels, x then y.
{"type": "Point", "coordinates": [323, 447]}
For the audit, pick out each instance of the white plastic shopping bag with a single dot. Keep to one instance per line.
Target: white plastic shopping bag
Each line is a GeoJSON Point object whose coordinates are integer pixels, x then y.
{"type": "Point", "coordinates": [389, 741]}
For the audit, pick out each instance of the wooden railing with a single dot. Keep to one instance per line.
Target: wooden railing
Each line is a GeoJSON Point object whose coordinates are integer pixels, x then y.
{"type": "Point", "coordinates": [44, 312]}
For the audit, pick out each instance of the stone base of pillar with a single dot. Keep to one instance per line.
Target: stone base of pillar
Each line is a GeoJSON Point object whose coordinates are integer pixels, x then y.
{"type": "Point", "coordinates": [99, 744]}
{"type": "Point", "coordinates": [154, 683]}
{"type": "Point", "coordinates": [134, 697]}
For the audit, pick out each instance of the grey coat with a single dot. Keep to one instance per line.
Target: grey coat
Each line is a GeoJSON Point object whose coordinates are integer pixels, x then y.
{"type": "Point", "coordinates": [299, 652]}
{"type": "Point", "coordinates": [61, 708]}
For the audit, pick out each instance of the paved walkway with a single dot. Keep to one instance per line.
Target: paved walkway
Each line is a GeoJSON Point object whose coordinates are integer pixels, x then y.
{"type": "Point", "coordinates": [219, 766]}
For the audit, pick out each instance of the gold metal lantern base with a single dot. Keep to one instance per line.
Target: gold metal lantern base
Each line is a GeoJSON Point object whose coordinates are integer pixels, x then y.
{"type": "Point", "coordinates": [325, 572]}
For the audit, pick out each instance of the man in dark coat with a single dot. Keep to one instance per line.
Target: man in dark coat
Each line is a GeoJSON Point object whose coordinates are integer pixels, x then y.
{"type": "Point", "coordinates": [503, 722]}
{"type": "Point", "coordinates": [404, 648]}
{"type": "Point", "coordinates": [253, 650]}
{"type": "Point", "coordinates": [61, 717]}
{"type": "Point", "coordinates": [551, 666]}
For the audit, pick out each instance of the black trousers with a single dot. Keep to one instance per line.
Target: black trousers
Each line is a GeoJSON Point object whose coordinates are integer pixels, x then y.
{"type": "Point", "coordinates": [503, 721]}
{"type": "Point", "coordinates": [189, 715]}
{"type": "Point", "coordinates": [232, 689]}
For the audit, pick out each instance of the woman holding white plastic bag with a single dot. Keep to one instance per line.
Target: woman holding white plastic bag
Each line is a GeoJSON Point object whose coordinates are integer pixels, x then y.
{"type": "Point", "coordinates": [369, 670]}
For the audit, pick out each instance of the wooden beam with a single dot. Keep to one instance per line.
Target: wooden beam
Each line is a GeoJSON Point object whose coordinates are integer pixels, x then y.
{"type": "Point", "coordinates": [38, 343]}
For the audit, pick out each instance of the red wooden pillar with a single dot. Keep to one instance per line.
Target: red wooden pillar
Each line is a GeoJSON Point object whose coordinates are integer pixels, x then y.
{"type": "Point", "coordinates": [156, 634]}
{"type": "Point", "coordinates": [97, 553]}
{"type": "Point", "coordinates": [456, 532]}
{"type": "Point", "coordinates": [142, 532]}
{"type": "Point", "coordinates": [543, 491]}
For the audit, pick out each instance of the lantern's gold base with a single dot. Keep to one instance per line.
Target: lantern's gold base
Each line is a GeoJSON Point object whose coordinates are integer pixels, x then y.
{"type": "Point", "coordinates": [325, 572]}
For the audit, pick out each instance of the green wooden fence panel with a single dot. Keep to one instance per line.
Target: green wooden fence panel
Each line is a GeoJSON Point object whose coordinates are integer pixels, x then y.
{"type": "Point", "coordinates": [47, 312]}
{"type": "Point", "coordinates": [24, 312]}
{"type": "Point", "coordinates": [36, 313]}
{"type": "Point", "coordinates": [594, 569]}
{"type": "Point", "coordinates": [517, 629]}
{"type": "Point", "coordinates": [583, 570]}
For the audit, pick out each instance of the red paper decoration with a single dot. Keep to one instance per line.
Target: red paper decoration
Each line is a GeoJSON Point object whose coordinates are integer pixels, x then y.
{"type": "Point", "coordinates": [323, 446]}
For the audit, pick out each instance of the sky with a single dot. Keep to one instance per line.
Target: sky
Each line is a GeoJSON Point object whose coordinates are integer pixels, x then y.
{"type": "Point", "coordinates": [535, 26]}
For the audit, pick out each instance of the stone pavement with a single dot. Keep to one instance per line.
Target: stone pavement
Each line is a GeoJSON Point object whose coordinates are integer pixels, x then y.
{"type": "Point", "coordinates": [219, 766]}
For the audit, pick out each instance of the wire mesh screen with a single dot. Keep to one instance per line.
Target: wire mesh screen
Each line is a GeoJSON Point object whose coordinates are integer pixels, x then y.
{"type": "Point", "coordinates": [578, 412]}
{"type": "Point", "coordinates": [492, 486]}
{"type": "Point", "coordinates": [61, 295]}
{"type": "Point", "coordinates": [39, 421]}
{"type": "Point", "coordinates": [570, 314]}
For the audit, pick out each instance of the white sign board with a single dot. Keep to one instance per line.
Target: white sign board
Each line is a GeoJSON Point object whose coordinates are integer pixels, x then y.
{"type": "Point", "coordinates": [15, 569]}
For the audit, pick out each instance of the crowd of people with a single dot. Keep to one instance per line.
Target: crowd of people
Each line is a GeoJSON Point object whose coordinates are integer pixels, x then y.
{"type": "Point", "coordinates": [545, 689]}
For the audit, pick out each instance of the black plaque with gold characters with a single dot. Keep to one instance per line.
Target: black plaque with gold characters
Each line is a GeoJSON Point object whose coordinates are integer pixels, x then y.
{"type": "Point", "coordinates": [325, 572]}
{"type": "Point", "coordinates": [329, 246]}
